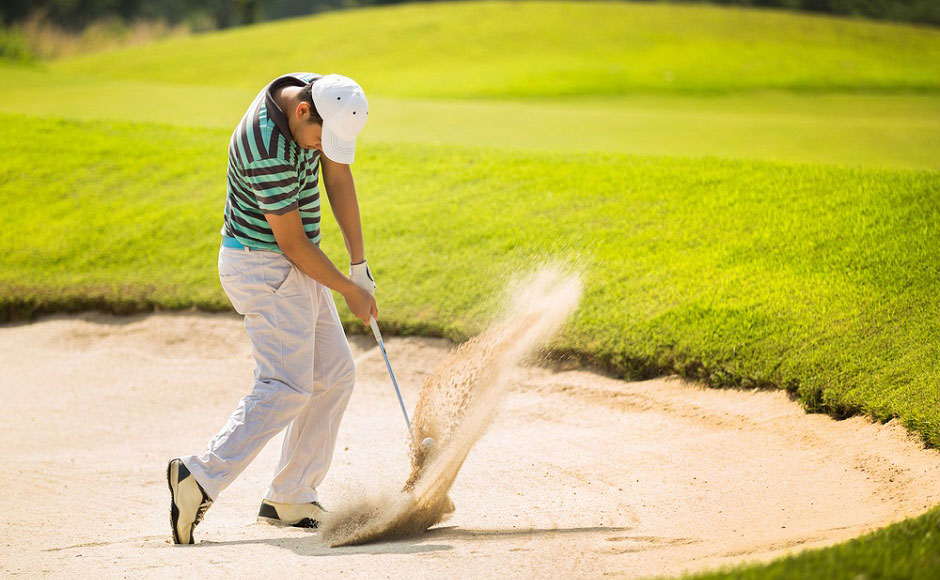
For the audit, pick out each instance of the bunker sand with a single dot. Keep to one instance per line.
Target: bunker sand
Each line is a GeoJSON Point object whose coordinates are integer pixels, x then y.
{"type": "Point", "coordinates": [578, 474]}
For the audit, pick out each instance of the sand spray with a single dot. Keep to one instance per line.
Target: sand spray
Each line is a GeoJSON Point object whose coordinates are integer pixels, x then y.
{"type": "Point", "coordinates": [456, 404]}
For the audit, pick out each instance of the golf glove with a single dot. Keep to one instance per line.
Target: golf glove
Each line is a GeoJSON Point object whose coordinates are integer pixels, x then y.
{"type": "Point", "coordinates": [361, 276]}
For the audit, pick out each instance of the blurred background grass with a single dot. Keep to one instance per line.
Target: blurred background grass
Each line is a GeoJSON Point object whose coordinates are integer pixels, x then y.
{"type": "Point", "coordinates": [652, 79]}
{"type": "Point", "coordinates": [520, 49]}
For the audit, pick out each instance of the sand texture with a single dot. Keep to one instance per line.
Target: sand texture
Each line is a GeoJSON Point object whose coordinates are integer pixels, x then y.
{"type": "Point", "coordinates": [577, 475]}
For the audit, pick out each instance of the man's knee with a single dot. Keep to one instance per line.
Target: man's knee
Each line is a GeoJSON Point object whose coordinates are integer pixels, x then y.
{"type": "Point", "coordinates": [342, 374]}
{"type": "Point", "coordinates": [287, 393]}
{"type": "Point", "coordinates": [347, 372]}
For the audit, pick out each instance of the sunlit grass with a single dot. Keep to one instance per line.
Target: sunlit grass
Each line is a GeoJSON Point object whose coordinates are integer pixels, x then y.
{"type": "Point", "coordinates": [897, 130]}
{"type": "Point", "coordinates": [538, 49]}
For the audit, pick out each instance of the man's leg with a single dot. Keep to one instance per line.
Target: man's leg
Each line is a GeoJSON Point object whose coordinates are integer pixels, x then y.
{"type": "Point", "coordinates": [311, 438]}
{"type": "Point", "coordinates": [280, 315]}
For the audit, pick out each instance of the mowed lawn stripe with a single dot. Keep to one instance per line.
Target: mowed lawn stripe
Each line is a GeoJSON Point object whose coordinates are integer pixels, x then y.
{"type": "Point", "coordinates": [538, 49]}
{"type": "Point", "coordinates": [897, 130]}
{"type": "Point", "coordinates": [817, 279]}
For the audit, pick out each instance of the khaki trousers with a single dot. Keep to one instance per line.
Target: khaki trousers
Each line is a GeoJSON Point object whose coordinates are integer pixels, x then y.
{"type": "Point", "coordinates": [303, 378]}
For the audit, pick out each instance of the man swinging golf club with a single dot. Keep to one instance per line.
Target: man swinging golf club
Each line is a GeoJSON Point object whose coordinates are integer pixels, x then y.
{"type": "Point", "coordinates": [274, 273]}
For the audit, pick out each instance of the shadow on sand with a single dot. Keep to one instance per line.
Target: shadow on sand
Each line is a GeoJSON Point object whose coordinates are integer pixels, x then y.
{"type": "Point", "coordinates": [311, 545]}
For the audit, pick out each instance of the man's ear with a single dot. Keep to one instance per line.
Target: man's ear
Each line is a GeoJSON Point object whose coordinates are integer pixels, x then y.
{"type": "Point", "coordinates": [303, 110]}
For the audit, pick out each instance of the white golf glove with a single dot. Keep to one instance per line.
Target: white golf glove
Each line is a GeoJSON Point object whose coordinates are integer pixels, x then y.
{"type": "Point", "coordinates": [361, 276]}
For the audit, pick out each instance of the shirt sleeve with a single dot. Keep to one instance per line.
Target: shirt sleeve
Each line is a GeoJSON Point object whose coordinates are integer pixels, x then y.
{"type": "Point", "coordinates": [275, 185]}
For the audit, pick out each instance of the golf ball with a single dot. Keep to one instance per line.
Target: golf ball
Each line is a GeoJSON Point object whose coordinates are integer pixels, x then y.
{"type": "Point", "coordinates": [427, 443]}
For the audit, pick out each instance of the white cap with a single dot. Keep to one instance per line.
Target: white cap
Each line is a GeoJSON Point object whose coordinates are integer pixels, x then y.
{"type": "Point", "coordinates": [343, 106]}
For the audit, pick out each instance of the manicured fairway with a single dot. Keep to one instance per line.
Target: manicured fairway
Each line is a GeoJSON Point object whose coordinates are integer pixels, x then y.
{"type": "Point", "coordinates": [538, 49]}
{"type": "Point", "coordinates": [617, 77]}
{"type": "Point", "coordinates": [886, 130]}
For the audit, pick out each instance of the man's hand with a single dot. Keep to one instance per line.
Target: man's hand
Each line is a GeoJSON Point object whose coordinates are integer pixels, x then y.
{"type": "Point", "coordinates": [361, 303]}
{"type": "Point", "coordinates": [289, 233]}
{"type": "Point", "coordinates": [362, 276]}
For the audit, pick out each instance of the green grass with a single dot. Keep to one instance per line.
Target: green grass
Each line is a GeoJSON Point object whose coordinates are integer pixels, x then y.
{"type": "Point", "coordinates": [820, 280]}
{"type": "Point", "coordinates": [536, 49]}
{"type": "Point", "coordinates": [897, 130]}
{"type": "Point", "coordinates": [548, 76]}
{"type": "Point", "coordinates": [95, 201]}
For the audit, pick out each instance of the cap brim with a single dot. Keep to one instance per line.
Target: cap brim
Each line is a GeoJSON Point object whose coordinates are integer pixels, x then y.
{"type": "Point", "coordinates": [335, 147]}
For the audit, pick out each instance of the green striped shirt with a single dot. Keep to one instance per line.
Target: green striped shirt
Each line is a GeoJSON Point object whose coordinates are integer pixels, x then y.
{"type": "Point", "coordinates": [269, 173]}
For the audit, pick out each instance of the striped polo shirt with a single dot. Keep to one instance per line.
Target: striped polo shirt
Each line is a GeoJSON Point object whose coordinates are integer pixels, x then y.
{"type": "Point", "coordinates": [269, 173]}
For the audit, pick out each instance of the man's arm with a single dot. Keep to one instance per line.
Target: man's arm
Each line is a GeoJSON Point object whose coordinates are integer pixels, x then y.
{"type": "Point", "coordinates": [341, 191]}
{"type": "Point", "coordinates": [292, 240]}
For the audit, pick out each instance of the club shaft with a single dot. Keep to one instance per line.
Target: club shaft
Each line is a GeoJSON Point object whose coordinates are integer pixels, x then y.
{"type": "Point", "coordinates": [391, 373]}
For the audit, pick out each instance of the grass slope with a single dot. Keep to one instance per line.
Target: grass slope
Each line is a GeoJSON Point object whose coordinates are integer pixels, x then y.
{"type": "Point", "coordinates": [98, 206]}
{"type": "Point", "coordinates": [538, 49]}
{"type": "Point", "coordinates": [820, 280]}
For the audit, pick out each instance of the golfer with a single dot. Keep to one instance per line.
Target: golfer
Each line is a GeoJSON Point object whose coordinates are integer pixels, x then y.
{"type": "Point", "coordinates": [276, 276]}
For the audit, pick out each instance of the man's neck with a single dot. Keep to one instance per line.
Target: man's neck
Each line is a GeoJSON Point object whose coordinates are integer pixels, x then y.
{"type": "Point", "coordinates": [287, 99]}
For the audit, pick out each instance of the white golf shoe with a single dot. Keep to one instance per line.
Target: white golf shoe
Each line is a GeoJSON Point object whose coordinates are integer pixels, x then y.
{"type": "Point", "coordinates": [188, 502]}
{"type": "Point", "coordinates": [298, 515]}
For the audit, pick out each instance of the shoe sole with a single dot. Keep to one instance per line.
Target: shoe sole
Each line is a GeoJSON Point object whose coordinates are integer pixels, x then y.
{"type": "Point", "coordinates": [304, 523]}
{"type": "Point", "coordinates": [172, 477]}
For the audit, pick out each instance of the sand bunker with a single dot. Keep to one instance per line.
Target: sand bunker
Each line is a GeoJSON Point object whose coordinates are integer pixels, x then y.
{"type": "Point", "coordinates": [578, 475]}
{"type": "Point", "coordinates": [455, 407]}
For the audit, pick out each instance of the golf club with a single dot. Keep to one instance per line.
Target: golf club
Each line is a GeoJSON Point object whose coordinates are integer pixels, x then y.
{"type": "Point", "coordinates": [428, 442]}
